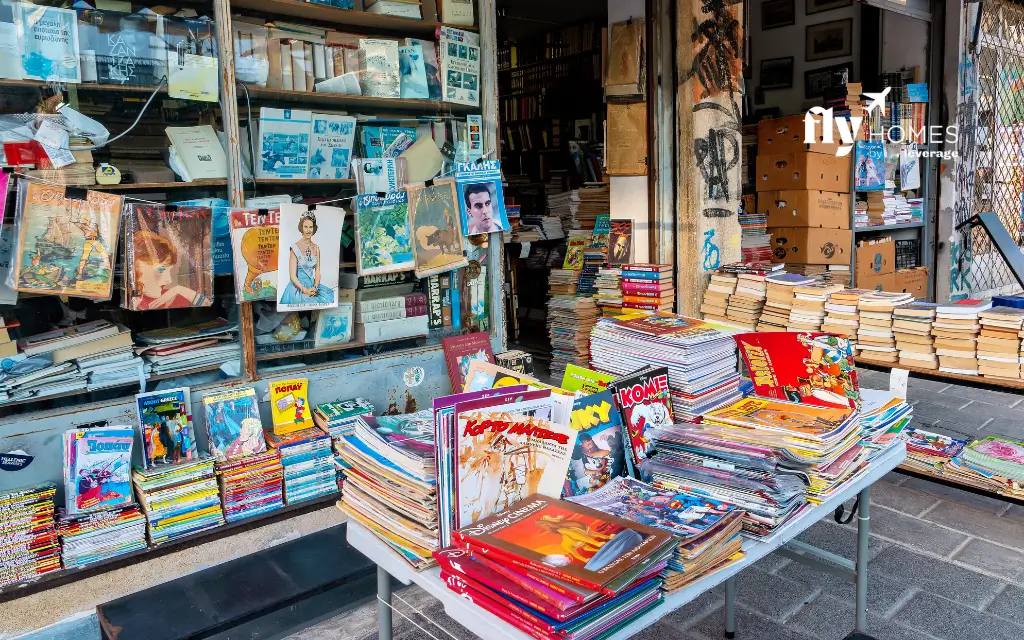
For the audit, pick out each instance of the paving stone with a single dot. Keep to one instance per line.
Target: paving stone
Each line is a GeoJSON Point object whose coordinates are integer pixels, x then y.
{"type": "Point", "coordinates": [991, 396]}
{"type": "Point", "coordinates": [771, 595]}
{"type": "Point", "coordinates": [946, 619]}
{"type": "Point", "coordinates": [915, 533]}
{"type": "Point", "coordinates": [838, 539]}
{"type": "Point", "coordinates": [749, 626]}
{"type": "Point", "coordinates": [693, 612]}
{"type": "Point", "coordinates": [992, 410]}
{"type": "Point", "coordinates": [992, 558]}
{"type": "Point", "coordinates": [435, 613]}
{"type": "Point", "coordinates": [829, 618]}
{"type": "Point", "coordinates": [1015, 513]}
{"type": "Point", "coordinates": [894, 477]}
{"type": "Point", "coordinates": [934, 576]}
{"type": "Point", "coordinates": [900, 498]}
{"type": "Point", "coordinates": [916, 382]}
{"type": "Point", "coordinates": [772, 562]}
{"type": "Point", "coordinates": [1003, 427]}
{"type": "Point", "coordinates": [939, 402]}
{"type": "Point", "coordinates": [1009, 604]}
{"type": "Point", "coordinates": [981, 524]}
{"type": "Point", "coordinates": [953, 494]}
{"type": "Point", "coordinates": [658, 631]}
{"type": "Point", "coordinates": [882, 592]}
{"type": "Point", "coordinates": [955, 428]}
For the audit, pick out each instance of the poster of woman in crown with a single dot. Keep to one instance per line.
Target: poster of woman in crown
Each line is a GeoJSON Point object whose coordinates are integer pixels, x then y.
{"type": "Point", "coordinates": [308, 261]}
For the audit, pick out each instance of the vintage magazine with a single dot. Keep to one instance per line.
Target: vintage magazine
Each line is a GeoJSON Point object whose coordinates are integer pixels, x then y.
{"type": "Point", "coordinates": [165, 422]}
{"type": "Point", "coordinates": [97, 468]}
{"type": "Point", "coordinates": [460, 66]}
{"type": "Point", "coordinates": [233, 424]}
{"type": "Point", "coordinates": [308, 265]}
{"type": "Point", "coordinates": [254, 243]}
{"type": "Point", "coordinates": [599, 455]}
{"type": "Point", "coordinates": [481, 197]}
{"type": "Point", "coordinates": [785, 416]}
{"type": "Point", "coordinates": [584, 381]}
{"type": "Point", "coordinates": [810, 368]}
{"type": "Point", "coordinates": [289, 405]}
{"type": "Point", "coordinates": [168, 262]}
{"type": "Point", "coordinates": [383, 243]}
{"type": "Point", "coordinates": [436, 233]}
{"type": "Point", "coordinates": [644, 402]}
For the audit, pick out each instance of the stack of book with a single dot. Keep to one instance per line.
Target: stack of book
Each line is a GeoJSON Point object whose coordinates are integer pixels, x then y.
{"type": "Point", "coordinates": [779, 300]}
{"type": "Point", "coordinates": [998, 456]}
{"type": "Point", "coordinates": [563, 282]}
{"type": "Point", "coordinates": [648, 287]}
{"type": "Point", "coordinates": [593, 260]}
{"type": "Point", "coordinates": [189, 347]}
{"type": "Point", "coordinates": [808, 307]}
{"type": "Point", "coordinates": [956, 330]}
{"type": "Point", "coordinates": [748, 300]}
{"type": "Point", "coordinates": [707, 531]}
{"type": "Point", "coordinates": [570, 320]}
{"type": "Point", "coordinates": [30, 542]}
{"type": "Point", "coordinates": [100, 535]}
{"type": "Point", "coordinates": [308, 463]}
{"type": "Point", "coordinates": [391, 482]}
{"type": "Point", "coordinates": [841, 316]}
{"type": "Point", "coordinates": [999, 345]}
{"type": "Point", "coordinates": [339, 418]}
{"type": "Point", "coordinates": [875, 339]}
{"type": "Point", "coordinates": [912, 330]}
{"type": "Point", "coordinates": [830, 273]}
{"type": "Point", "coordinates": [563, 206]}
{"type": "Point", "coordinates": [395, 311]}
{"type": "Point", "coordinates": [755, 241]}
{"type": "Point", "coordinates": [927, 451]}
{"type": "Point", "coordinates": [715, 304]}
{"type": "Point", "coordinates": [503, 564]}
{"type": "Point", "coordinates": [595, 200]}
{"type": "Point", "coordinates": [179, 499]}
{"type": "Point", "coordinates": [251, 485]}
{"type": "Point", "coordinates": [609, 291]}
{"type": "Point", "coordinates": [883, 417]}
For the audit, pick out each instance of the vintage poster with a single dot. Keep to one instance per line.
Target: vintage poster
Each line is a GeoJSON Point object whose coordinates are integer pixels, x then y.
{"type": "Point", "coordinates": [254, 243]}
{"type": "Point", "coordinates": [168, 261]}
{"type": "Point", "coordinates": [437, 238]}
{"type": "Point", "coordinates": [383, 243]}
{"type": "Point", "coordinates": [808, 367]}
{"type": "Point", "coordinates": [481, 198]}
{"type": "Point", "coordinates": [65, 246]}
{"type": "Point", "coordinates": [165, 423]}
{"type": "Point", "coordinates": [599, 455]}
{"type": "Point", "coordinates": [233, 424]}
{"type": "Point", "coordinates": [310, 257]}
{"type": "Point", "coordinates": [644, 403]}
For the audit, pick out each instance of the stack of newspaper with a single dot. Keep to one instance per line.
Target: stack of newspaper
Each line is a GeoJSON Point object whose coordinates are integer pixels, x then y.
{"type": "Point", "coordinates": [186, 348]}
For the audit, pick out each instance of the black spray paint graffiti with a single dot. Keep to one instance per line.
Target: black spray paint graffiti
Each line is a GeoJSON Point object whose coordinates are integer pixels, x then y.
{"type": "Point", "coordinates": [716, 154]}
{"type": "Point", "coordinates": [716, 44]}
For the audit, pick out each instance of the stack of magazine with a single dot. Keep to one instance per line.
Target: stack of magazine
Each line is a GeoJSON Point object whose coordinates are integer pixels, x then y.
{"type": "Point", "coordinates": [339, 418]}
{"type": "Point", "coordinates": [179, 499]}
{"type": "Point", "coordinates": [30, 542]}
{"type": "Point", "coordinates": [184, 348]}
{"type": "Point", "coordinates": [308, 463]}
{"type": "Point", "coordinates": [100, 535]}
{"type": "Point", "coordinates": [251, 485]}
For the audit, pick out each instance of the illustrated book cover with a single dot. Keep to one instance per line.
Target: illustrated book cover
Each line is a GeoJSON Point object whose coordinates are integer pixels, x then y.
{"type": "Point", "coordinates": [483, 375]}
{"type": "Point", "coordinates": [620, 242]}
{"type": "Point", "coordinates": [869, 174]}
{"type": "Point", "coordinates": [289, 405]}
{"type": "Point", "coordinates": [461, 351]}
{"type": "Point", "coordinates": [233, 424]}
{"type": "Point", "coordinates": [460, 65]}
{"type": "Point", "coordinates": [778, 415]}
{"type": "Point", "coordinates": [599, 455]}
{"type": "Point", "coordinates": [437, 236]}
{"type": "Point", "coordinates": [66, 246]}
{"type": "Point", "coordinates": [254, 243]}
{"type": "Point", "coordinates": [383, 241]}
{"type": "Point", "coordinates": [583, 381]}
{"type": "Point", "coordinates": [333, 326]}
{"type": "Point", "coordinates": [165, 423]}
{"type": "Point", "coordinates": [330, 148]}
{"type": "Point", "coordinates": [430, 63]}
{"type": "Point", "coordinates": [168, 261]}
{"type": "Point", "coordinates": [308, 265]}
{"type": "Point", "coordinates": [413, 72]}
{"type": "Point", "coordinates": [49, 43]}
{"type": "Point", "coordinates": [644, 403]}
{"type": "Point", "coordinates": [284, 143]}
{"type": "Point", "coordinates": [809, 368]}
{"type": "Point", "coordinates": [97, 468]}
{"type": "Point", "coordinates": [481, 197]}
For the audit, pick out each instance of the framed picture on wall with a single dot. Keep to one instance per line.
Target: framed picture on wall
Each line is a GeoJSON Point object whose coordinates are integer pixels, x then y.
{"type": "Point", "coordinates": [817, 6]}
{"type": "Point", "coordinates": [829, 40]}
{"type": "Point", "coordinates": [818, 81]}
{"type": "Point", "coordinates": [777, 73]}
{"type": "Point", "coordinates": [777, 13]}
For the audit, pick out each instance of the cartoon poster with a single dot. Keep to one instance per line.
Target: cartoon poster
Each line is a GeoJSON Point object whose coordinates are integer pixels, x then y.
{"type": "Point", "coordinates": [599, 455]}
{"type": "Point", "coordinates": [806, 367]}
{"type": "Point", "coordinates": [168, 261]}
{"type": "Point", "coordinates": [383, 243]}
{"type": "Point", "coordinates": [481, 197]}
{"type": "Point", "coordinates": [165, 423]}
{"type": "Point", "coordinates": [66, 246]}
{"type": "Point", "coordinates": [254, 242]}
{"type": "Point", "coordinates": [437, 238]}
{"type": "Point", "coordinates": [233, 424]}
{"type": "Point", "coordinates": [309, 257]}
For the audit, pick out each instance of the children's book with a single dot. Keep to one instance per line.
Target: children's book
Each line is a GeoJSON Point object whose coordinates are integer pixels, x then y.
{"type": "Point", "coordinates": [412, 72]}
{"type": "Point", "coordinates": [254, 242]}
{"type": "Point", "coordinates": [66, 246]}
{"type": "Point", "coordinates": [49, 43]}
{"type": "Point", "coordinates": [430, 63]}
{"type": "Point", "coordinates": [165, 424]}
{"type": "Point", "coordinates": [584, 382]}
{"type": "Point", "coordinates": [378, 65]}
{"type": "Point", "coordinates": [97, 468]}
{"type": "Point", "coordinates": [765, 413]}
{"type": "Point", "coordinates": [602, 227]}
{"type": "Point", "coordinates": [284, 143]}
{"type": "Point", "coordinates": [481, 197]}
{"type": "Point", "coordinates": [310, 259]}
{"type": "Point", "coordinates": [574, 253]}
{"type": "Point", "coordinates": [460, 65]}
{"type": "Point", "coordinates": [460, 351]}
{"type": "Point", "coordinates": [806, 367]}
{"type": "Point", "coordinates": [168, 262]}
{"type": "Point", "coordinates": [483, 375]}
{"type": "Point", "coordinates": [289, 405]}
{"type": "Point", "coordinates": [599, 455]}
{"type": "Point", "coordinates": [437, 236]}
{"type": "Point", "coordinates": [233, 424]}
{"type": "Point", "coordinates": [378, 175]}
{"type": "Point", "coordinates": [644, 404]}
{"type": "Point", "coordinates": [869, 174]}
{"type": "Point", "coordinates": [383, 243]}
{"type": "Point", "coordinates": [333, 326]}
{"type": "Point", "coordinates": [330, 149]}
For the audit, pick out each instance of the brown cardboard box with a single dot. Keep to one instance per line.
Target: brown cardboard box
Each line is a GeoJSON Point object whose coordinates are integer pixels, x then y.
{"type": "Point", "coordinates": [787, 135]}
{"type": "Point", "coordinates": [875, 259]}
{"type": "Point", "coordinates": [810, 245]}
{"type": "Point", "coordinates": [779, 172]}
{"type": "Point", "coordinates": [805, 209]}
{"type": "Point", "coordinates": [913, 281]}
{"type": "Point", "coordinates": [882, 282]}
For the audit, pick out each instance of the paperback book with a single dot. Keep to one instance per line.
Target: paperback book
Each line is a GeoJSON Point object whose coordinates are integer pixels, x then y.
{"type": "Point", "coordinates": [49, 43]}
{"type": "Point", "coordinates": [378, 66]}
{"type": "Point", "coordinates": [383, 243]}
{"type": "Point", "coordinates": [599, 455]}
{"type": "Point", "coordinates": [412, 72]}
{"type": "Point", "coordinates": [289, 405]}
{"type": "Point", "coordinates": [430, 63]}
{"type": "Point", "coordinates": [254, 243]}
{"type": "Point", "coordinates": [330, 149]}
{"type": "Point", "coordinates": [437, 244]}
{"type": "Point", "coordinates": [233, 424]}
{"type": "Point", "coordinates": [461, 351]}
{"type": "Point", "coordinates": [333, 326]}
{"type": "Point", "coordinates": [284, 143]}
{"type": "Point", "coordinates": [481, 197]}
{"type": "Point", "coordinates": [869, 174]}
{"type": "Point", "coordinates": [97, 468]}
{"type": "Point", "coordinates": [378, 175]}
{"type": "Point", "coordinates": [168, 262]}
{"type": "Point", "coordinates": [307, 272]}
{"type": "Point", "coordinates": [165, 423]}
{"type": "Point", "coordinates": [460, 65]}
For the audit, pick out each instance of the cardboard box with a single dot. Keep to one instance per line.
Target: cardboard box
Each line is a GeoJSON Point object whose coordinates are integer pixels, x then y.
{"type": "Point", "coordinates": [823, 209]}
{"type": "Point", "coordinates": [875, 259]}
{"type": "Point", "coordinates": [883, 282]}
{"type": "Point", "coordinates": [788, 135]}
{"type": "Point", "coordinates": [786, 171]}
{"type": "Point", "coordinates": [913, 281]}
{"type": "Point", "coordinates": [810, 245]}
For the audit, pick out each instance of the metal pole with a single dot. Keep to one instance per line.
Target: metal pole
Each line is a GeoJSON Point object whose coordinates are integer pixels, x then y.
{"type": "Point", "coordinates": [862, 559]}
{"type": "Point", "coordinates": [383, 604]}
{"type": "Point", "coordinates": [730, 608]}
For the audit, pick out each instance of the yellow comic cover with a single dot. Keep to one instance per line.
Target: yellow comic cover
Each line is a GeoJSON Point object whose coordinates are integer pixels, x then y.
{"type": "Point", "coordinates": [289, 405]}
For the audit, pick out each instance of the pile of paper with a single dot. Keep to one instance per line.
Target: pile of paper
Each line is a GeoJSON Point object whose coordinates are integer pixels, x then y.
{"type": "Point", "coordinates": [563, 282]}
{"type": "Point", "coordinates": [927, 451]}
{"type": "Point", "coordinates": [997, 455]}
{"type": "Point", "coordinates": [179, 499]}
{"type": "Point", "coordinates": [594, 200]}
{"type": "Point", "coordinates": [715, 304]}
{"type": "Point", "coordinates": [339, 418]}
{"type": "Point", "coordinates": [30, 541]}
{"type": "Point", "coordinates": [883, 417]}
{"type": "Point", "coordinates": [746, 303]}
{"type": "Point", "coordinates": [755, 241]}
{"type": "Point", "coordinates": [91, 537]}
{"type": "Point", "coordinates": [251, 485]}
{"type": "Point", "coordinates": [912, 329]}
{"type": "Point", "coordinates": [308, 463]}
{"type": "Point", "coordinates": [564, 206]}
{"type": "Point", "coordinates": [185, 348]}
{"type": "Point", "coordinates": [570, 320]}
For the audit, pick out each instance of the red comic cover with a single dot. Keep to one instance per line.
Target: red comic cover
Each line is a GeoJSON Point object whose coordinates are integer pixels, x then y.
{"type": "Point", "coordinates": [807, 367]}
{"type": "Point", "coordinates": [643, 400]}
{"type": "Point", "coordinates": [515, 617]}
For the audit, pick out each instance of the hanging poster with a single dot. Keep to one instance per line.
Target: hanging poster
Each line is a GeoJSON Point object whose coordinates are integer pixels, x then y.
{"type": "Point", "coordinates": [310, 257]}
{"type": "Point", "coordinates": [481, 198]}
{"type": "Point", "coordinates": [254, 240]}
{"type": "Point", "coordinates": [382, 234]}
{"type": "Point", "coordinates": [437, 245]}
{"type": "Point", "coordinates": [168, 262]}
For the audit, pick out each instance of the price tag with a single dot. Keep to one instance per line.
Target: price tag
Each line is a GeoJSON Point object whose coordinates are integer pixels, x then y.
{"type": "Point", "coordinates": [524, 251]}
{"type": "Point", "coordinates": [721, 466]}
{"type": "Point", "coordinates": [51, 134]}
{"type": "Point", "coordinates": [898, 379]}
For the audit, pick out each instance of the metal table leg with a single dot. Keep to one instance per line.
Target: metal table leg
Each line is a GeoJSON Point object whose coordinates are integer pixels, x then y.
{"type": "Point", "coordinates": [383, 604]}
{"type": "Point", "coordinates": [863, 518]}
{"type": "Point", "coordinates": [730, 608]}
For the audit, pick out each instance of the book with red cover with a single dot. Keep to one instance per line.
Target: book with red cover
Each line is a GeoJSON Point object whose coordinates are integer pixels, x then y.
{"type": "Point", "coordinates": [643, 399]}
{"type": "Point", "coordinates": [460, 351]}
{"type": "Point", "coordinates": [807, 367]}
{"type": "Point", "coordinates": [569, 542]}
{"type": "Point", "coordinates": [517, 619]}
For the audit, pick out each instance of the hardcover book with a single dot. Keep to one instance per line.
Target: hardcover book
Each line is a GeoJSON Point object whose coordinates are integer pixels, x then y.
{"type": "Point", "coordinates": [330, 149]}
{"type": "Point", "coordinates": [97, 468]}
{"type": "Point", "coordinates": [307, 271]}
{"type": "Point", "coordinates": [461, 351]}
{"type": "Point", "coordinates": [284, 143]}
{"type": "Point", "coordinates": [289, 405]}
{"type": "Point", "coordinates": [437, 244]}
{"type": "Point", "coordinates": [254, 242]}
{"type": "Point", "coordinates": [599, 455]}
{"type": "Point", "coordinates": [66, 246]}
{"type": "Point", "coordinates": [412, 72]}
{"type": "Point", "coordinates": [481, 197]}
{"type": "Point", "coordinates": [383, 243]}
{"type": "Point", "coordinates": [165, 423]}
{"type": "Point", "coordinates": [233, 424]}
{"type": "Point", "coordinates": [168, 262]}
{"type": "Point", "coordinates": [643, 401]}
{"type": "Point", "coordinates": [49, 43]}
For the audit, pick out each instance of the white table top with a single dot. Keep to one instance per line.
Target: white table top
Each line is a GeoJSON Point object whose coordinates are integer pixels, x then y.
{"type": "Point", "coordinates": [487, 625]}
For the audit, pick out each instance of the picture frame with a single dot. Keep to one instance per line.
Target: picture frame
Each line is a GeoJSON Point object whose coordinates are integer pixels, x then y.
{"type": "Point", "coordinates": [829, 40]}
{"type": "Point", "coordinates": [776, 73]}
{"type": "Point", "coordinates": [819, 6]}
{"type": "Point", "coordinates": [818, 81]}
{"type": "Point", "coordinates": [776, 14]}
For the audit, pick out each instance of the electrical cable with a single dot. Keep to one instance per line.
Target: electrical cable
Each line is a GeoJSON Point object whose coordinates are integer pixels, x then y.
{"type": "Point", "coordinates": [163, 81]}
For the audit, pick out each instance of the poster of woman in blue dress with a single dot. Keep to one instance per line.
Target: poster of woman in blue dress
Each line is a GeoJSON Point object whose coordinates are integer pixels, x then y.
{"type": "Point", "coordinates": [311, 267]}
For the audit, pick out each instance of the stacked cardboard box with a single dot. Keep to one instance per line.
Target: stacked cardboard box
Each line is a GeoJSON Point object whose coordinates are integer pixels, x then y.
{"type": "Point", "coordinates": [808, 310]}
{"type": "Point", "coordinates": [999, 344]}
{"type": "Point", "coordinates": [956, 330]}
{"type": "Point", "coordinates": [875, 338]}
{"type": "Point", "coordinates": [716, 297]}
{"type": "Point", "coordinates": [913, 281]}
{"type": "Point", "coordinates": [876, 264]}
{"type": "Point", "coordinates": [779, 300]}
{"type": "Point", "coordinates": [912, 328]}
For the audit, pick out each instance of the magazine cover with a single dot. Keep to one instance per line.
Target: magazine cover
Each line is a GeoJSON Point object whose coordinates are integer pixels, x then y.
{"type": "Point", "coordinates": [773, 414]}
{"type": "Point", "coordinates": [330, 148]}
{"type": "Point", "coordinates": [378, 175]}
{"type": "Point", "coordinates": [289, 405]}
{"type": "Point", "coordinates": [574, 253]}
{"type": "Point", "coordinates": [168, 261]}
{"type": "Point", "coordinates": [643, 401]}
{"type": "Point", "coordinates": [460, 351]}
{"type": "Point", "coordinates": [810, 368]}
{"type": "Point", "coordinates": [97, 468]}
{"type": "Point", "coordinates": [483, 375]}
{"type": "Point", "coordinates": [869, 174]}
{"type": "Point", "coordinates": [254, 246]}
{"type": "Point", "coordinates": [460, 65]}
{"type": "Point", "coordinates": [333, 326]}
{"type": "Point", "coordinates": [620, 242]}
{"type": "Point", "coordinates": [437, 237]}
{"type": "Point", "coordinates": [584, 381]}
{"type": "Point", "coordinates": [165, 422]}
{"type": "Point", "coordinates": [412, 72]}
{"type": "Point", "coordinates": [65, 246]}
{"type": "Point", "coordinates": [481, 197]}
{"type": "Point", "coordinates": [600, 453]}
{"type": "Point", "coordinates": [602, 227]}
{"type": "Point", "coordinates": [383, 243]}
{"type": "Point", "coordinates": [233, 424]}
{"type": "Point", "coordinates": [307, 271]}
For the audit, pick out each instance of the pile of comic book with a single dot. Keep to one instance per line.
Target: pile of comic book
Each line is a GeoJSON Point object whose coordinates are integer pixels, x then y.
{"type": "Point", "coordinates": [100, 535]}
{"type": "Point", "coordinates": [569, 322]}
{"type": "Point", "coordinates": [183, 348]}
{"type": "Point", "coordinates": [992, 463]}
{"type": "Point", "coordinates": [883, 417]}
{"type": "Point", "coordinates": [28, 541]}
{"type": "Point", "coordinates": [179, 499]}
{"type": "Point", "coordinates": [308, 463]}
{"type": "Point", "coordinates": [339, 418]}
{"type": "Point", "coordinates": [554, 569]}
{"type": "Point", "coordinates": [391, 481]}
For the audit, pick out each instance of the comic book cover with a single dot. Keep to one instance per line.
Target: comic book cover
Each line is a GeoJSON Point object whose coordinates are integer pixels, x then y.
{"type": "Point", "coordinates": [774, 414]}
{"type": "Point", "coordinates": [437, 234]}
{"type": "Point", "coordinates": [574, 253]}
{"type": "Point", "coordinates": [165, 424]}
{"type": "Point", "coordinates": [599, 454]}
{"type": "Point", "coordinates": [644, 404]}
{"type": "Point", "coordinates": [289, 405]}
{"type": "Point", "coordinates": [806, 367]}
{"type": "Point", "coordinates": [97, 468]}
{"type": "Point", "coordinates": [584, 382]}
{"type": "Point", "coordinates": [483, 375]}
{"type": "Point", "coordinates": [620, 242]}
{"type": "Point", "coordinates": [254, 244]}
{"type": "Point", "coordinates": [168, 259]}
{"type": "Point", "coordinates": [233, 424]}
{"type": "Point", "coordinates": [671, 326]}
{"type": "Point", "coordinates": [460, 351]}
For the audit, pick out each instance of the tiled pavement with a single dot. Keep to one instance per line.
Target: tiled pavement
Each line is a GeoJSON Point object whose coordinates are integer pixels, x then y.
{"type": "Point", "coordinates": [944, 563]}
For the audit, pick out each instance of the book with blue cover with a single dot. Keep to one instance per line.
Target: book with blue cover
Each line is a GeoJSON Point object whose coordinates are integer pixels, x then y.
{"type": "Point", "coordinates": [917, 92]}
{"type": "Point", "coordinates": [383, 241]}
{"type": "Point", "coordinates": [284, 143]}
{"type": "Point", "coordinates": [412, 72]}
{"type": "Point", "coordinates": [870, 172]}
{"type": "Point", "coordinates": [165, 424]}
{"type": "Point", "coordinates": [49, 42]}
{"type": "Point", "coordinates": [330, 149]}
{"type": "Point", "coordinates": [385, 142]}
{"type": "Point", "coordinates": [481, 197]}
{"type": "Point", "coordinates": [600, 454]}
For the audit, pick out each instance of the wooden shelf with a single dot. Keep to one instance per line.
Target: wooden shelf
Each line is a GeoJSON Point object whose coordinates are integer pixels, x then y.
{"type": "Point", "coordinates": [157, 186]}
{"type": "Point", "coordinates": [346, 181]}
{"type": "Point", "coordinates": [559, 59]}
{"type": "Point", "coordinates": [365, 102]}
{"type": "Point", "coordinates": [960, 484]}
{"type": "Point", "coordinates": [935, 373]}
{"type": "Point", "coordinates": [342, 17]}
{"type": "Point", "coordinates": [355, 344]}
{"type": "Point", "coordinates": [83, 86]}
